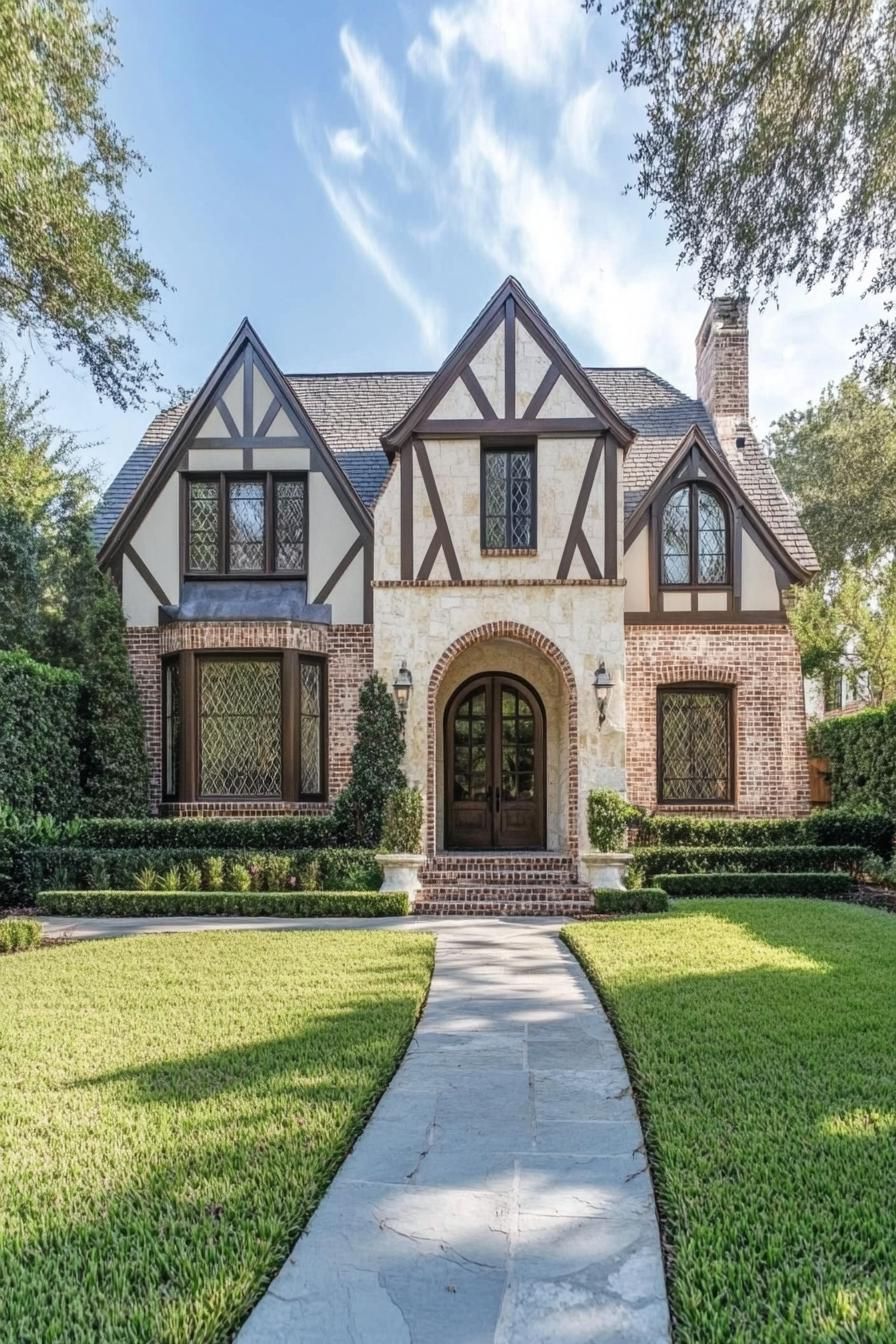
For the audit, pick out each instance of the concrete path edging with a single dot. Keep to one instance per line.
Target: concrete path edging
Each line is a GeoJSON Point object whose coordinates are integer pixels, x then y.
{"type": "Point", "coordinates": [500, 1193]}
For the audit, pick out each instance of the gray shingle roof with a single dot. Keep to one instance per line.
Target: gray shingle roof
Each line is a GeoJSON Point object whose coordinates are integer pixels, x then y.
{"type": "Point", "coordinates": [352, 410]}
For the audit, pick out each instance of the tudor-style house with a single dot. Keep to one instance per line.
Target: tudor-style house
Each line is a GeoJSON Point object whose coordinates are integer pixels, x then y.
{"type": "Point", "coordinates": [513, 530]}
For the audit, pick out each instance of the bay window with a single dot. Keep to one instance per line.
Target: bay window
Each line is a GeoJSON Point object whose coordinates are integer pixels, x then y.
{"type": "Point", "coordinates": [244, 726]}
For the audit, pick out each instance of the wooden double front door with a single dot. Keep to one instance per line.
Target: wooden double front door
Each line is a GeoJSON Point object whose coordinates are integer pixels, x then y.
{"type": "Point", "coordinates": [494, 766]}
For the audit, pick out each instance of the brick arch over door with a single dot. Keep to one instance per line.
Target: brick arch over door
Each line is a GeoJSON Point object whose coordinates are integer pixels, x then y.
{"type": "Point", "coordinates": [536, 640]}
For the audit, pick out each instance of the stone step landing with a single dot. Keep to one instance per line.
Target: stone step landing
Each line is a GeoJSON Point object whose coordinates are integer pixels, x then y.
{"type": "Point", "coordinates": [501, 884]}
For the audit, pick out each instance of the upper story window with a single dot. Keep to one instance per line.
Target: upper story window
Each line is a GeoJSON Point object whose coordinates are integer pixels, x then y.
{"type": "Point", "coordinates": [248, 524]}
{"type": "Point", "coordinates": [694, 540]}
{"type": "Point", "coordinates": [508, 498]}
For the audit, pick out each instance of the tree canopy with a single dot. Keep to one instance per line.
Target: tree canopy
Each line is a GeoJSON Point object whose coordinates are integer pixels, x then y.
{"type": "Point", "coordinates": [770, 139]}
{"type": "Point", "coordinates": [71, 271]}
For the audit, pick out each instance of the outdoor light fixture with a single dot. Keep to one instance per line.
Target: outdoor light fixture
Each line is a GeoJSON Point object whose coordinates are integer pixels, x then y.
{"type": "Point", "coordinates": [603, 685]}
{"type": "Point", "coordinates": [402, 686]}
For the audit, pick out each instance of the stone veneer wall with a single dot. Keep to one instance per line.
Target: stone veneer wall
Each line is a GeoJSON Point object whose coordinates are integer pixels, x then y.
{"type": "Point", "coordinates": [762, 663]}
{"type": "Point", "coordinates": [349, 653]}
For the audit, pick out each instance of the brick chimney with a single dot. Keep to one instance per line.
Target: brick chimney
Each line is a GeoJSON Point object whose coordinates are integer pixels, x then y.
{"type": "Point", "coordinates": [723, 366]}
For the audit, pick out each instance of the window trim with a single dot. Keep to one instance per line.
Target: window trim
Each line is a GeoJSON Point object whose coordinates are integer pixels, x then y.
{"type": "Point", "coordinates": [504, 446]}
{"type": "Point", "coordinates": [692, 485]}
{"type": "Point", "coordinates": [224, 480]}
{"type": "Point", "coordinates": [721, 689]}
{"type": "Point", "coordinates": [189, 771]}
{"type": "Point", "coordinates": [169, 663]}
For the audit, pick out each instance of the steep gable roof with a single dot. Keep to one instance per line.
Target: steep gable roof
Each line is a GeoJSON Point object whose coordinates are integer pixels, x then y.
{"type": "Point", "coordinates": [352, 410]}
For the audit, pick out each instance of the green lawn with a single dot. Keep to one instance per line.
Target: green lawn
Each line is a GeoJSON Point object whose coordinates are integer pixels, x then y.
{"type": "Point", "coordinates": [172, 1109]}
{"type": "Point", "coordinates": [761, 1035]}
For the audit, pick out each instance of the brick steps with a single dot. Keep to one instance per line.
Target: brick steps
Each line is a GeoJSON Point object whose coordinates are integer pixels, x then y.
{"type": "Point", "coordinates": [501, 884]}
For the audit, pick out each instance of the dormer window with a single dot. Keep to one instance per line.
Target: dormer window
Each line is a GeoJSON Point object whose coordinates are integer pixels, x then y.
{"type": "Point", "coordinates": [694, 538]}
{"type": "Point", "coordinates": [253, 526]}
{"type": "Point", "coordinates": [508, 498]}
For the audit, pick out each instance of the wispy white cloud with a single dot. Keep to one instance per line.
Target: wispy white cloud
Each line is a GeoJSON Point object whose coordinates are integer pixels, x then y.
{"type": "Point", "coordinates": [532, 41]}
{"type": "Point", "coordinates": [529, 174]}
{"type": "Point", "coordinates": [372, 87]}
{"type": "Point", "coordinates": [347, 145]}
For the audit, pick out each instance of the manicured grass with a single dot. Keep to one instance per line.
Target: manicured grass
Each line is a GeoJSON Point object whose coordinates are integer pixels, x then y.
{"type": "Point", "coordinates": [761, 1036]}
{"type": "Point", "coordinates": [172, 1108]}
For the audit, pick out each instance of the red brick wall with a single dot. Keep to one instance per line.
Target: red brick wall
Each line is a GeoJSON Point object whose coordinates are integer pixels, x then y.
{"type": "Point", "coordinates": [349, 653]}
{"type": "Point", "coordinates": [762, 664]}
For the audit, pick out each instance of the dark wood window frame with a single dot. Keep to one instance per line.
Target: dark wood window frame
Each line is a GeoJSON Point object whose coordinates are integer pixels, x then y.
{"type": "Point", "coordinates": [504, 447]}
{"type": "Point", "coordinates": [224, 479]}
{"type": "Point", "coordinates": [692, 485]}
{"type": "Point", "coordinates": [701, 688]}
{"type": "Point", "coordinates": [290, 746]}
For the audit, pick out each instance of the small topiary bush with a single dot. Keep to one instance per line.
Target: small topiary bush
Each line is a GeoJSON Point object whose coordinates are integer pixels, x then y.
{"type": "Point", "coordinates": [359, 811]}
{"type": "Point", "coordinates": [18, 935]}
{"type": "Point", "coordinates": [608, 816]}
{"type": "Point", "coordinates": [292, 904]}
{"type": "Point", "coordinates": [403, 822]}
{"type": "Point", "coordinates": [650, 860]}
{"type": "Point", "coordinates": [645, 900]}
{"type": "Point", "coordinates": [832, 885]}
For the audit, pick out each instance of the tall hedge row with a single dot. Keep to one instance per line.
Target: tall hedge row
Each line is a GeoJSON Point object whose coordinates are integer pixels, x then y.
{"type": "Point", "coordinates": [862, 751]}
{"type": "Point", "coordinates": [40, 737]}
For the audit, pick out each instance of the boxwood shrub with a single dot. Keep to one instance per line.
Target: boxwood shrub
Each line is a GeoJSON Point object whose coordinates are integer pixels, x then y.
{"type": "Point", "coordinates": [755, 884]}
{"type": "Point", "coordinates": [302, 869]}
{"type": "Point", "coordinates": [872, 828]}
{"type": "Point", "coordinates": [17, 935]}
{"type": "Point", "coordinates": [205, 833]}
{"type": "Point", "coordinates": [643, 900]}
{"type": "Point", "coordinates": [653, 859]}
{"type": "Point", "coordinates": [293, 904]}
{"type": "Point", "coordinates": [861, 749]}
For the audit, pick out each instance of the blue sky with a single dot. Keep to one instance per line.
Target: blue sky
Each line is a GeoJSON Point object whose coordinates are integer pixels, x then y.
{"type": "Point", "coordinates": [358, 178]}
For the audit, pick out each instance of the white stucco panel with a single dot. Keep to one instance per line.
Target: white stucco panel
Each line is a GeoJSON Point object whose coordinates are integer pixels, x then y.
{"type": "Point", "coordinates": [156, 540]}
{"type": "Point", "coordinates": [387, 532]}
{"type": "Point", "coordinates": [213, 426]}
{"type": "Point", "coordinates": [488, 367]}
{"type": "Point", "coordinates": [636, 572]}
{"type": "Point", "coordinates": [139, 602]}
{"type": "Point", "coordinates": [233, 397]}
{"type": "Point", "coordinates": [281, 459]}
{"type": "Point", "coordinates": [215, 459]}
{"type": "Point", "coordinates": [759, 587]}
{"type": "Point", "coordinates": [347, 598]}
{"type": "Point", "coordinates": [457, 404]}
{"type": "Point", "coordinates": [261, 397]}
{"type": "Point", "coordinates": [331, 531]}
{"type": "Point", "coordinates": [282, 428]}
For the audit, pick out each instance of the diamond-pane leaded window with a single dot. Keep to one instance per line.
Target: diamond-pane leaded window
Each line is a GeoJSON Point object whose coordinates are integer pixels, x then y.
{"type": "Point", "coordinates": [289, 525]}
{"type": "Point", "coordinates": [172, 710]}
{"type": "Point", "coordinates": [204, 506]}
{"type": "Point", "coordinates": [677, 538]}
{"type": "Point", "coordinates": [694, 541]}
{"type": "Point", "coordinates": [239, 727]}
{"type": "Point", "coordinates": [246, 525]}
{"type": "Point", "coordinates": [310, 726]}
{"type": "Point", "coordinates": [509, 499]}
{"type": "Point", "coordinates": [695, 746]}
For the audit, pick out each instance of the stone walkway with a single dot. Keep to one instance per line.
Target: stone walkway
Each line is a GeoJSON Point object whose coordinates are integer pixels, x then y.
{"type": "Point", "coordinates": [500, 1193]}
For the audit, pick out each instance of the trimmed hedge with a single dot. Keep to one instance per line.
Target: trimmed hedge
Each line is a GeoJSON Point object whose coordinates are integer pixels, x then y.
{"type": "Point", "coordinates": [642, 900]}
{"type": "Point", "coordinates": [650, 860]}
{"type": "Point", "coordinates": [861, 749]}
{"type": "Point", "coordinates": [294, 904]}
{"type": "Point", "coordinates": [755, 884]}
{"type": "Point", "coordinates": [18, 935]}
{"type": "Point", "coordinates": [40, 737]}
{"type": "Point", "coordinates": [209, 833]}
{"type": "Point", "coordinates": [870, 827]}
{"type": "Point", "coordinates": [61, 866]}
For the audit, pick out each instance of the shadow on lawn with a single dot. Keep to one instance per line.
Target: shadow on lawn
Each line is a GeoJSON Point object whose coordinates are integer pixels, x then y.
{"type": "Point", "coordinates": [247, 1140]}
{"type": "Point", "coordinates": [754, 1083]}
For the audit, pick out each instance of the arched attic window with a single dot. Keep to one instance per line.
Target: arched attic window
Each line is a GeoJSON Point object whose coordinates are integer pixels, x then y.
{"type": "Point", "coordinates": [694, 549]}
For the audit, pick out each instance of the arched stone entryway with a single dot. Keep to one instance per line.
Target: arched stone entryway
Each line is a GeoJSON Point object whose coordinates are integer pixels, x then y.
{"type": "Point", "coordinates": [521, 651]}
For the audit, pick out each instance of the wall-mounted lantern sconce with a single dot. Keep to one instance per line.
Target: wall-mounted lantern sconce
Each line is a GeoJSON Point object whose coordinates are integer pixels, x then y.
{"type": "Point", "coordinates": [402, 686]}
{"type": "Point", "coordinates": [603, 685]}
